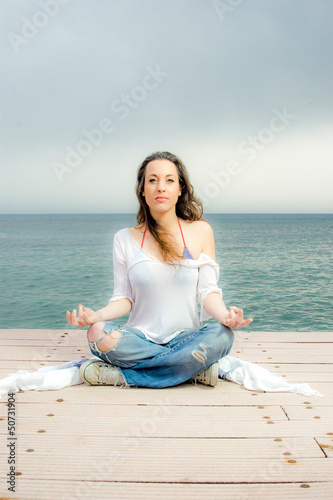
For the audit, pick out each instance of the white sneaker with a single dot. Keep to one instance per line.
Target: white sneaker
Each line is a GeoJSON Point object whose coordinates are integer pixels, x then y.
{"type": "Point", "coordinates": [100, 373]}
{"type": "Point", "coordinates": [209, 376]}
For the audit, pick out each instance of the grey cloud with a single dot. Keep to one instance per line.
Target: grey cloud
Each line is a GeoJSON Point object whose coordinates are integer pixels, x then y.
{"type": "Point", "coordinates": [225, 77]}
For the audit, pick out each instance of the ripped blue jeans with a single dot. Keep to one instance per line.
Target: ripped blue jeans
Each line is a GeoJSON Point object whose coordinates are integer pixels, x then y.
{"type": "Point", "coordinates": [146, 364]}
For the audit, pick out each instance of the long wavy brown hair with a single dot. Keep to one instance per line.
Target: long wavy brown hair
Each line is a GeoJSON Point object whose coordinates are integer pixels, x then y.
{"type": "Point", "coordinates": [188, 206]}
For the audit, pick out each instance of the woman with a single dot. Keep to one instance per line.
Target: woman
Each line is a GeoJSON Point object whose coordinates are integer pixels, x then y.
{"type": "Point", "coordinates": [158, 280]}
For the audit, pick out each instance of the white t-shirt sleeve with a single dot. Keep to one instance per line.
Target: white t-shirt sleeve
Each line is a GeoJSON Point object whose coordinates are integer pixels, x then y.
{"type": "Point", "coordinates": [207, 283]}
{"type": "Point", "coordinates": [122, 287]}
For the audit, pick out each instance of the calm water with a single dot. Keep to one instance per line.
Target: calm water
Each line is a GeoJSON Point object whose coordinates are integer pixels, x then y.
{"type": "Point", "coordinates": [278, 268]}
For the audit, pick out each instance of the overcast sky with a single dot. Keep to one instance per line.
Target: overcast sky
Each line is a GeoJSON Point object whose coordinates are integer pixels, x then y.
{"type": "Point", "coordinates": [240, 90]}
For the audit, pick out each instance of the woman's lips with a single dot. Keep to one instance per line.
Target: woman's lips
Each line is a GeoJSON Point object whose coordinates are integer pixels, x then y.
{"type": "Point", "coordinates": [161, 198]}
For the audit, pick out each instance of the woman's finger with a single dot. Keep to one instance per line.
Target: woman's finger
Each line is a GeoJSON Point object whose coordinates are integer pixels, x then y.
{"type": "Point", "coordinates": [87, 318]}
{"type": "Point", "coordinates": [234, 309]}
{"type": "Point", "coordinates": [74, 318]}
{"type": "Point", "coordinates": [237, 322]}
{"type": "Point", "coordinates": [80, 318]}
{"type": "Point", "coordinates": [227, 321]}
{"type": "Point", "coordinates": [234, 319]}
{"type": "Point", "coordinates": [240, 319]}
{"type": "Point", "coordinates": [247, 321]}
{"type": "Point", "coordinates": [83, 319]}
{"type": "Point", "coordinates": [237, 310]}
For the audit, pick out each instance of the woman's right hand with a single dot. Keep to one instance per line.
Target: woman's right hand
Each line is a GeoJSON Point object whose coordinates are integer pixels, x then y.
{"type": "Point", "coordinates": [86, 316]}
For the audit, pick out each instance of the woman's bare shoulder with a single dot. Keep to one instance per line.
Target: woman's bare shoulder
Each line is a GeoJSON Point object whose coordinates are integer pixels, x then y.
{"type": "Point", "coordinates": [136, 232]}
{"type": "Point", "coordinates": [206, 237]}
{"type": "Point", "coordinates": [200, 226]}
{"type": "Point", "coordinates": [136, 229]}
{"type": "Point", "coordinates": [200, 238]}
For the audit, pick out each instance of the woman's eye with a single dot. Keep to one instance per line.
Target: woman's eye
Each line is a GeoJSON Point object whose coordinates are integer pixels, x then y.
{"type": "Point", "coordinates": [168, 180]}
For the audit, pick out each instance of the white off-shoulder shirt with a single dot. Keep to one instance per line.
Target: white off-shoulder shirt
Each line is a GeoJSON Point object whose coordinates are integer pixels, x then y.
{"type": "Point", "coordinates": [164, 298]}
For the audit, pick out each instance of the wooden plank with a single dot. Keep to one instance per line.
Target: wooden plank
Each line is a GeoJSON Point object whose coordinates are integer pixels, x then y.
{"type": "Point", "coordinates": [300, 351]}
{"type": "Point", "coordinates": [326, 444]}
{"type": "Point", "coordinates": [57, 353]}
{"type": "Point", "coordinates": [282, 337]}
{"type": "Point", "coordinates": [51, 489]}
{"type": "Point", "coordinates": [306, 377]}
{"type": "Point", "coordinates": [298, 368]}
{"type": "Point", "coordinates": [285, 356]}
{"type": "Point", "coordinates": [44, 342]}
{"type": "Point", "coordinates": [316, 346]}
{"type": "Point", "coordinates": [308, 412]}
{"type": "Point", "coordinates": [40, 333]}
{"type": "Point", "coordinates": [231, 447]}
{"type": "Point", "coordinates": [218, 413]}
{"type": "Point", "coordinates": [239, 400]}
{"type": "Point", "coordinates": [164, 422]}
{"type": "Point", "coordinates": [182, 468]}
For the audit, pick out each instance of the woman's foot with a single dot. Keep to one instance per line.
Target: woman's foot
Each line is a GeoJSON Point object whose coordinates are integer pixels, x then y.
{"type": "Point", "coordinates": [100, 373]}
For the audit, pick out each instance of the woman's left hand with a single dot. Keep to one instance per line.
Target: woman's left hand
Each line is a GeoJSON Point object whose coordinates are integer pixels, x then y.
{"type": "Point", "coordinates": [235, 318]}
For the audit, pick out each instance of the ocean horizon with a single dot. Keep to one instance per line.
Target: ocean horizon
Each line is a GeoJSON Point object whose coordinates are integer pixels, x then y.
{"type": "Point", "coordinates": [277, 267]}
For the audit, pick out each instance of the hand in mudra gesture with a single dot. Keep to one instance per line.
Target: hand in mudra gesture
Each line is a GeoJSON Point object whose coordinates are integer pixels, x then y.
{"type": "Point", "coordinates": [86, 316]}
{"type": "Point", "coordinates": [235, 318]}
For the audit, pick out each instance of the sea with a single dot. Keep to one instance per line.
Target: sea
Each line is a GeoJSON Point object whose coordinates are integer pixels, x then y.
{"type": "Point", "coordinates": [277, 267]}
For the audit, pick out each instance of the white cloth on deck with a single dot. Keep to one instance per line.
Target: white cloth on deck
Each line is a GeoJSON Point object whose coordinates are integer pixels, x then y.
{"type": "Point", "coordinates": [256, 378]}
{"type": "Point", "coordinates": [250, 375]}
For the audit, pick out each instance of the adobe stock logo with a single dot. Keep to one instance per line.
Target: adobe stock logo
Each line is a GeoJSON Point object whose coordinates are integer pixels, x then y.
{"type": "Point", "coordinates": [223, 8]}
{"type": "Point", "coordinates": [31, 27]}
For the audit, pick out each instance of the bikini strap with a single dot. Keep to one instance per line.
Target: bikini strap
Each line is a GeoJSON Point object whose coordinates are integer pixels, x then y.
{"type": "Point", "coordinates": [143, 237]}
{"type": "Point", "coordinates": [182, 233]}
{"type": "Point", "coordinates": [180, 227]}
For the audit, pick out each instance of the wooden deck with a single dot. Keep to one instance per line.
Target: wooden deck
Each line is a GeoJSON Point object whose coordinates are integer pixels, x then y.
{"type": "Point", "coordinates": [188, 442]}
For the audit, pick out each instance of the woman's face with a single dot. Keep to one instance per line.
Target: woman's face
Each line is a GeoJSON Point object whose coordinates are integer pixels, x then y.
{"type": "Point", "coordinates": [161, 186]}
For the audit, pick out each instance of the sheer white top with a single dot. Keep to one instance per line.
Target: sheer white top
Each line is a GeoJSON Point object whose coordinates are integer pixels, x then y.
{"type": "Point", "coordinates": [164, 298]}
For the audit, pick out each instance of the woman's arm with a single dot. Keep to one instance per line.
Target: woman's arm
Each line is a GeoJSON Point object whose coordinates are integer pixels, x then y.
{"type": "Point", "coordinates": [213, 303]}
{"type": "Point", "coordinates": [120, 303]}
{"type": "Point", "coordinates": [113, 310]}
{"type": "Point", "coordinates": [216, 307]}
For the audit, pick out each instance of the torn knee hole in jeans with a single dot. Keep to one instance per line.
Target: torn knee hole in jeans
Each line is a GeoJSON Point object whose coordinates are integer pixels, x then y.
{"type": "Point", "coordinates": [199, 355]}
{"type": "Point", "coordinates": [108, 341]}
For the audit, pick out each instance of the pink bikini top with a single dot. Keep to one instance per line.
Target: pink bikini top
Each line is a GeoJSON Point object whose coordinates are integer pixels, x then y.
{"type": "Point", "coordinates": [186, 250]}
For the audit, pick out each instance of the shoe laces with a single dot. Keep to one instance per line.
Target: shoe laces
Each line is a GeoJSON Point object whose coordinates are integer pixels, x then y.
{"type": "Point", "coordinates": [109, 375]}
